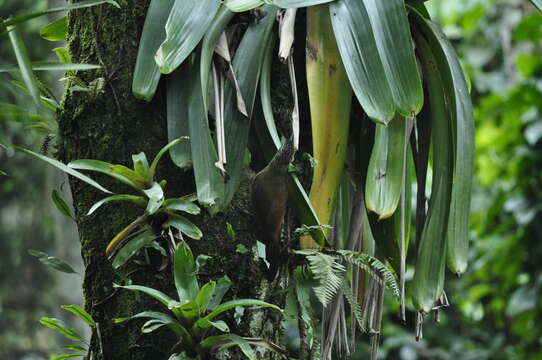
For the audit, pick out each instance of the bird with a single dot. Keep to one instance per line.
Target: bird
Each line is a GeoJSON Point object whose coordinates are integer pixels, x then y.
{"type": "Point", "coordinates": [269, 195]}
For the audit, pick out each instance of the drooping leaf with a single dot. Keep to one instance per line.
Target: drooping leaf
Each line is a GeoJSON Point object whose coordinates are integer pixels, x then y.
{"type": "Point", "coordinates": [184, 225]}
{"type": "Point", "coordinates": [59, 325]}
{"type": "Point", "coordinates": [147, 73]}
{"type": "Point", "coordinates": [209, 180]}
{"type": "Point", "coordinates": [392, 35]}
{"type": "Point", "coordinates": [51, 66]}
{"type": "Point", "coordinates": [457, 94]}
{"type": "Point", "coordinates": [428, 282]}
{"type": "Point", "coordinates": [64, 168]}
{"type": "Point", "coordinates": [178, 99]}
{"type": "Point", "coordinates": [61, 204]}
{"type": "Point", "coordinates": [80, 313]}
{"type": "Point", "coordinates": [132, 198]}
{"type": "Point", "coordinates": [374, 40]}
{"type": "Point", "coordinates": [385, 172]}
{"type": "Point", "coordinates": [25, 65]}
{"type": "Point", "coordinates": [55, 31]}
{"type": "Point", "coordinates": [132, 247]}
{"type": "Point", "coordinates": [53, 262]}
{"type": "Point", "coordinates": [247, 65]}
{"type": "Point", "coordinates": [185, 27]}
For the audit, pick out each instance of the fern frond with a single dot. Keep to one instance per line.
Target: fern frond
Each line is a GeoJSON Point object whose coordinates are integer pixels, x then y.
{"type": "Point", "coordinates": [327, 271]}
{"type": "Point", "coordinates": [354, 305]}
{"type": "Point", "coordinates": [374, 267]}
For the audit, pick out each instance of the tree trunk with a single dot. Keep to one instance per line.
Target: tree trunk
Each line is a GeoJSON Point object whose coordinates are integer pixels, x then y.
{"type": "Point", "coordinates": [107, 123]}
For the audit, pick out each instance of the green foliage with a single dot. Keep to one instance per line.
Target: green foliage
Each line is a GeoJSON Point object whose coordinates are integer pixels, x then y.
{"type": "Point", "coordinates": [71, 334]}
{"type": "Point", "coordinates": [195, 310]}
{"type": "Point", "coordinates": [53, 262]}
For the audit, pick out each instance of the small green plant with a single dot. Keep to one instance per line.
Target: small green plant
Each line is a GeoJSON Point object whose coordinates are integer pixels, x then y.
{"type": "Point", "coordinates": [139, 233]}
{"type": "Point", "coordinates": [81, 345]}
{"type": "Point", "coordinates": [193, 316]}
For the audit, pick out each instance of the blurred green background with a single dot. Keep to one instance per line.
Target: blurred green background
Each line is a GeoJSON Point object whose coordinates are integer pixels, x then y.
{"type": "Point", "coordinates": [496, 308]}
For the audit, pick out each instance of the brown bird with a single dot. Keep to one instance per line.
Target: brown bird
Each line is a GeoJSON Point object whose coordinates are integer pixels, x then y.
{"type": "Point", "coordinates": [269, 200]}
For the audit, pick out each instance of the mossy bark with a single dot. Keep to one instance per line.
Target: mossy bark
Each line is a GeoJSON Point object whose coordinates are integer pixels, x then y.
{"type": "Point", "coordinates": [108, 123]}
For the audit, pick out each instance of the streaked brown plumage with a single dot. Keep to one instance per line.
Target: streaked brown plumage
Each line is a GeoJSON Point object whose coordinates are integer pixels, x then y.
{"type": "Point", "coordinates": [269, 201]}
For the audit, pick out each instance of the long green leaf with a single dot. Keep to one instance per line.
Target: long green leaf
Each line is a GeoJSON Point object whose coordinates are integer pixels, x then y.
{"type": "Point", "coordinates": [270, 141]}
{"type": "Point", "coordinates": [178, 100]}
{"type": "Point", "coordinates": [51, 66]}
{"type": "Point", "coordinates": [132, 247]}
{"type": "Point", "coordinates": [147, 73]}
{"type": "Point", "coordinates": [184, 225]}
{"type": "Point", "coordinates": [392, 34]}
{"type": "Point", "coordinates": [184, 273]}
{"type": "Point", "coordinates": [81, 313]}
{"type": "Point", "coordinates": [24, 65]}
{"type": "Point", "coordinates": [59, 325]}
{"type": "Point", "coordinates": [64, 168]}
{"type": "Point", "coordinates": [385, 173]}
{"type": "Point", "coordinates": [55, 31]}
{"type": "Point", "coordinates": [53, 262]}
{"type": "Point", "coordinates": [374, 41]}
{"type": "Point", "coordinates": [184, 205]}
{"type": "Point", "coordinates": [12, 112]}
{"type": "Point", "coordinates": [209, 42]}
{"type": "Point", "coordinates": [122, 174]}
{"type": "Point", "coordinates": [61, 204]}
{"type": "Point", "coordinates": [158, 295]}
{"type": "Point", "coordinates": [428, 283]}
{"type": "Point", "coordinates": [247, 65]}
{"type": "Point", "coordinates": [456, 91]}
{"type": "Point", "coordinates": [78, 5]}
{"type": "Point", "coordinates": [123, 197]}
{"type": "Point", "coordinates": [185, 27]}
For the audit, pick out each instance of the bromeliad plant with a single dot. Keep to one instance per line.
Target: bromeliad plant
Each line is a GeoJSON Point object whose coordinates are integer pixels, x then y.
{"type": "Point", "coordinates": [193, 315]}
{"type": "Point", "coordinates": [139, 233]}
